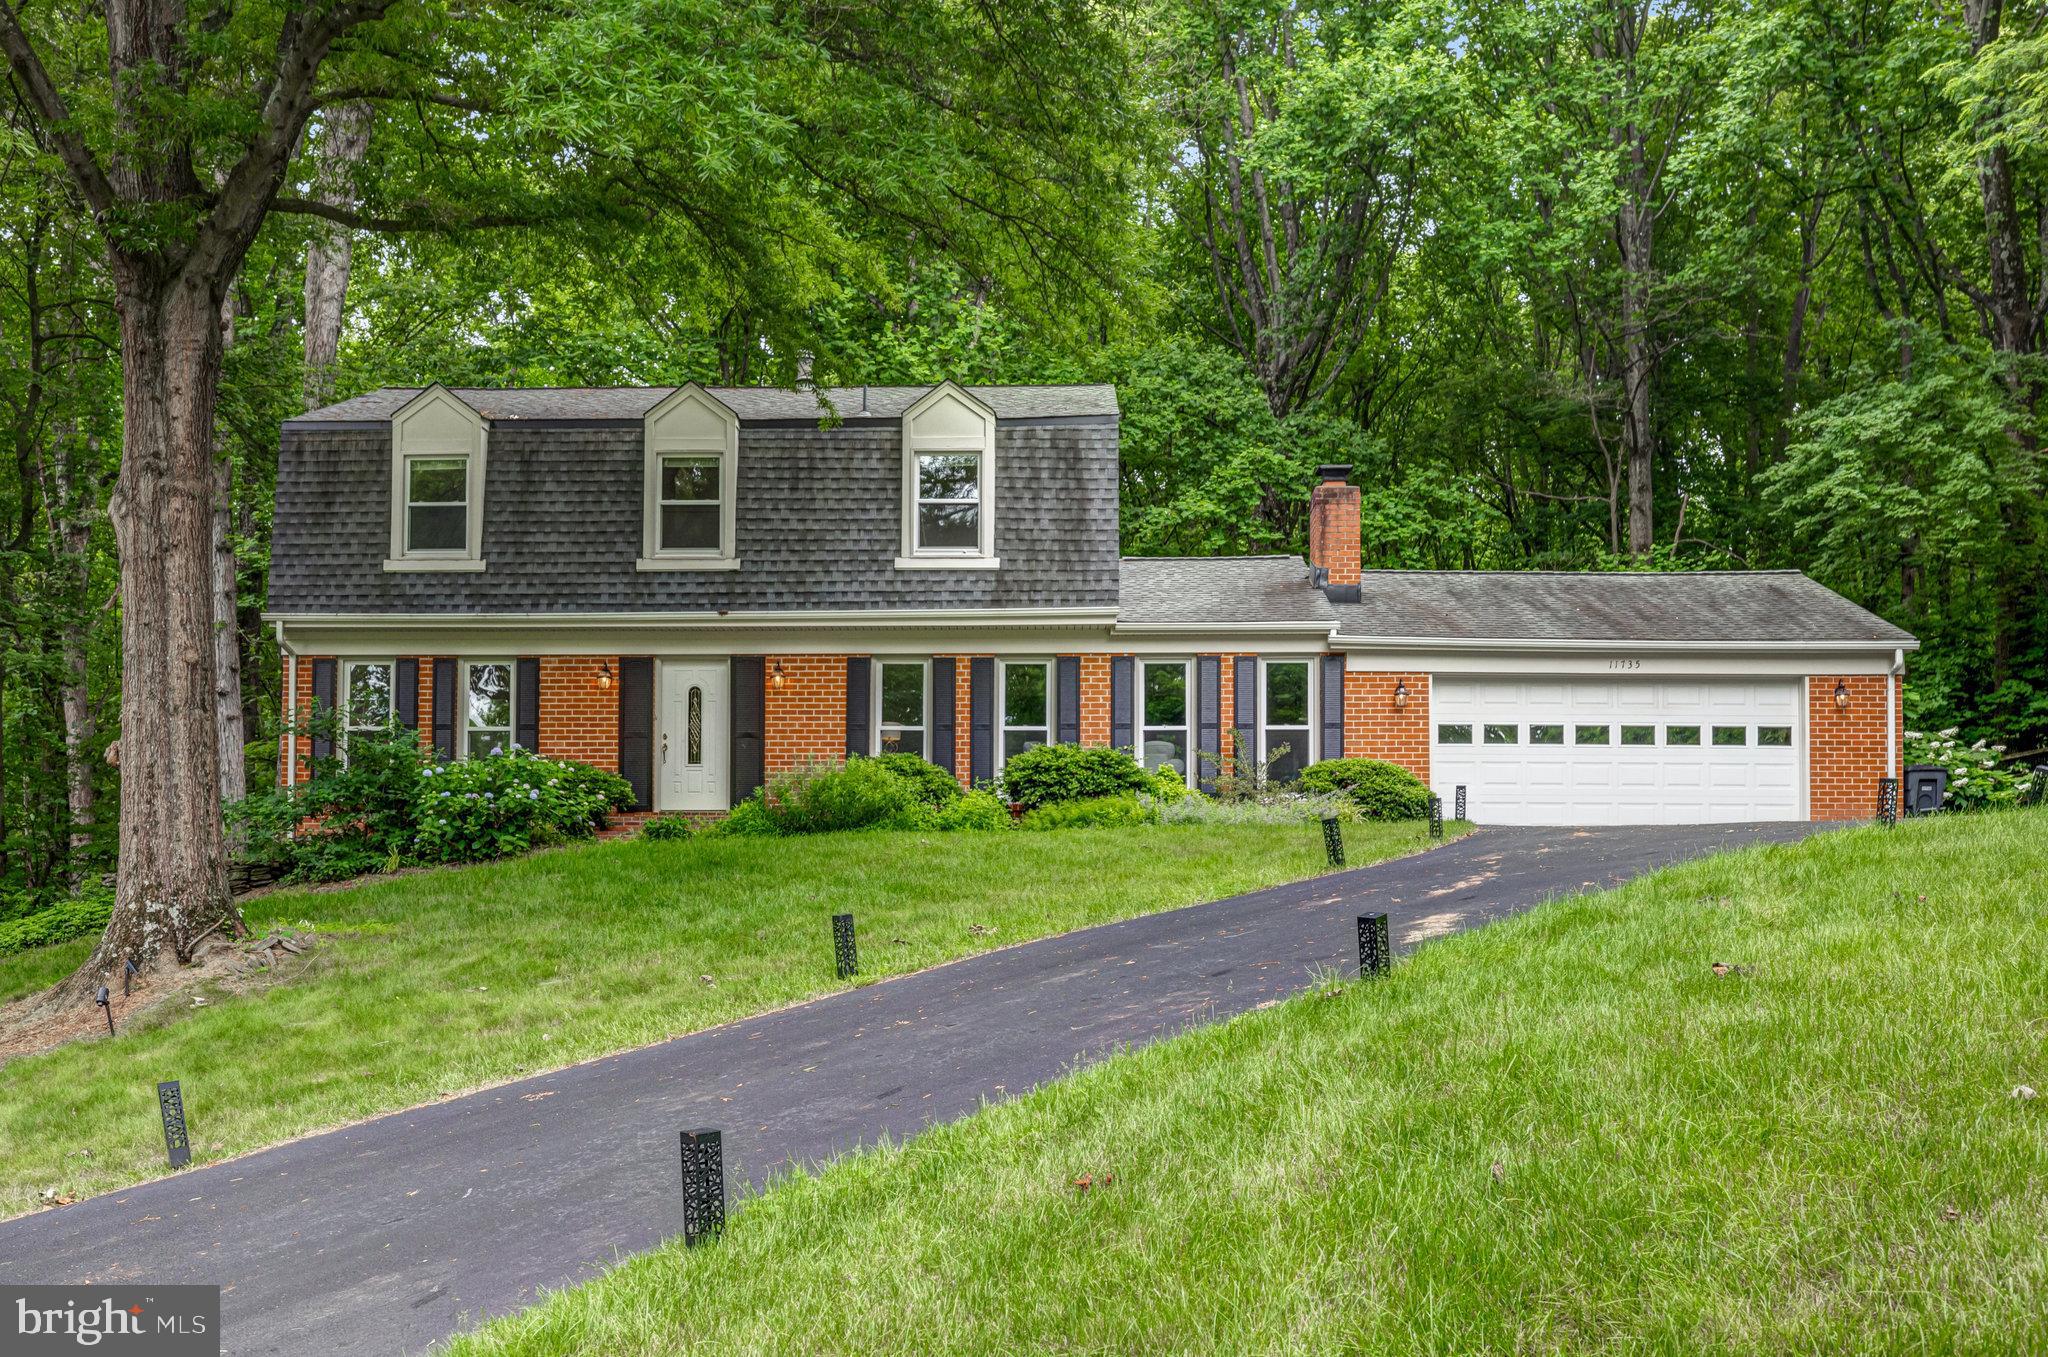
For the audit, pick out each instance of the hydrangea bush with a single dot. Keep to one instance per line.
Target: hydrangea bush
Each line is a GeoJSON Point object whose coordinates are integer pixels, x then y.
{"type": "Point", "coordinates": [1977, 773]}
{"type": "Point", "coordinates": [509, 802]}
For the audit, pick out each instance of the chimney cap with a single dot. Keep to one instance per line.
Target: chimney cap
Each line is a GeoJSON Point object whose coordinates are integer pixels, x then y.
{"type": "Point", "coordinates": [1334, 471]}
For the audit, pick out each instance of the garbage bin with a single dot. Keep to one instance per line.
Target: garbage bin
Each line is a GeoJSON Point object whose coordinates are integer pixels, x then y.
{"type": "Point", "coordinates": [1926, 788]}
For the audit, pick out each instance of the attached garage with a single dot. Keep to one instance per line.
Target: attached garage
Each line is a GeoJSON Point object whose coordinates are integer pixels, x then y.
{"type": "Point", "coordinates": [1605, 699]}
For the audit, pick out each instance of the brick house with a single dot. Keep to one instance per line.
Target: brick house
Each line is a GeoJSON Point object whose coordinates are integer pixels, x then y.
{"type": "Point", "coordinates": [703, 587]}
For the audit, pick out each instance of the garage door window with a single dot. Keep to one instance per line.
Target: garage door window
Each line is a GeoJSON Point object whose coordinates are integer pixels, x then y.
{"type": "Point", "coordinates": [1502, 734]}
{"type": "Point", "coordinates": [1454, 735]}
{"type": "Point", "coordinates": [1546, 735]}
{"type": "Point", "coordinates": [1774, 735]}
{"type": "Point", "coordinates": [1639, 735]}
{"type": "Point", "coordinates": [1589, 735]}
{"type": "Point", "coordinates": [1681, 735]}
{"type": "Point", "coordinates": [1731, 734]}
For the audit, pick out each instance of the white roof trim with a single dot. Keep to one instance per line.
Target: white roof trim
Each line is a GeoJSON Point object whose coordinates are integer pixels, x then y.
{"type": "Point", "coordinates": [842, 617]}
{"type": "Point", "coordinates": [1524, 643]}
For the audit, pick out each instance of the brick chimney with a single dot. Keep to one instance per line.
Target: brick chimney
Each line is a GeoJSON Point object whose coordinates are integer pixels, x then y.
{"type": "Point", "coordinates": [1333, 532]}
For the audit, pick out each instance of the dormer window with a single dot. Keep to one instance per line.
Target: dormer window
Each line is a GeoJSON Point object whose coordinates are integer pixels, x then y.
{"type": "Point", "coordinates": [438, 444]}
{"type": "Point", "coordinates": [692, 443]}
{"type": "Point", "coordinates": [949, 460]}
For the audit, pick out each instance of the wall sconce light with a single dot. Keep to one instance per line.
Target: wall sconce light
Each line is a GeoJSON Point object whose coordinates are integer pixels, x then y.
{"type": "Point", "coordinates": [1841, 695]}
{"type": "Point", "coordinates": [776, 677]}
{"type": "Point", "coordinates": [1400, 693]}
{"type": "Point", "coordinates": [604, 676]}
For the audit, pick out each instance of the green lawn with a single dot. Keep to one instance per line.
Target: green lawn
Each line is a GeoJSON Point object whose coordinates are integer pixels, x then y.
{"type": "Point", "coordinates": [1562, 1133]}
{"type": "Point", "coordinates": [444, 981]}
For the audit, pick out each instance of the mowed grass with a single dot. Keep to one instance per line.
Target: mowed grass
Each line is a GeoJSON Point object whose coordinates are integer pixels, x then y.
{"type": "Point", "coordinates": [1561, 1133]}
{"type": "Point", "coordinates": [443, 981]}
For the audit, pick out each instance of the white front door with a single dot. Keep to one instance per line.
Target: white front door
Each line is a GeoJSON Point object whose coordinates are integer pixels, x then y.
{"type": "Point", "coordinates": [1622, 751]}
{"type": "Point", "coordinates": [691, 767]}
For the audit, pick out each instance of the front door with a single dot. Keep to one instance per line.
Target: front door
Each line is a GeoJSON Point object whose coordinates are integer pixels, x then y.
{"type": "Point", "coordinates": [690, 738]}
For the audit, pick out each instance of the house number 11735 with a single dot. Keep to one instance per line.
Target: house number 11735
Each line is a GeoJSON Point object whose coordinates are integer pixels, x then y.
{"type": "Point", "coordinates": [1624, 664]}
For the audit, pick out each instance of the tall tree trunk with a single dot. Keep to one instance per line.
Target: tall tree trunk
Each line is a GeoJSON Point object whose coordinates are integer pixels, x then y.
{"type": "Point", "coordinates": [1635, 228]}
{"type": "Point", "coordinates": [345, 140]}
{"type": "Point", "coordinates": [227, 638]}
{"type": "Point", "coordinates": [173, 884]}
{"type": "Point", "coordinates": [73, 523]}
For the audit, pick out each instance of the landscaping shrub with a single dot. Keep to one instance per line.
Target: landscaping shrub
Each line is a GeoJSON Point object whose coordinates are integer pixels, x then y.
{"type": "Point", "coordinates": [1092, 813]}
{"type": "Point", "coordinates": [748, 819]}
{"type": "Point", "coordinates": [929, 783]}
{"type": "Point", "coordinates": [1048, 774]}
{"type": "Point", "coordinates": [1382, 791]}
{"type": "Point", "coordinates": [1167, 785]}
{"type": "Point", "coordinates": [507, 803]}
{"type": "Point", "coordinates": [1976, 776]}
{"type": "Point", "coordinates": [861, 794]}
{"type": "Point", "coordinates": [349, 818]}
{"type": "Point", "coordinates": [1277, 808]}
{"type": "Point", "coordinates": [973, 810]}
{"type": "Point", "coordinates": [667, 827]}
{"type": "Point", "coordinates": [79, 918]}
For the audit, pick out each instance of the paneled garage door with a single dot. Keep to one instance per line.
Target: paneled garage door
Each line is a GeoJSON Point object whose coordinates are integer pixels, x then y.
{"type": "Point", "coordinates": [1579, 751]}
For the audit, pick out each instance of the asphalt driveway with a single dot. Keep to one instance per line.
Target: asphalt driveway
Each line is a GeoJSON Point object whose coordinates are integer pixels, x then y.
{"type": "Point", "coordinates": [388, 1235]}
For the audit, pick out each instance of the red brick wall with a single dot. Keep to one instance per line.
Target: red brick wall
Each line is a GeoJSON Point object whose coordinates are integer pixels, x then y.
{"type": "Point", "coordinates": [1845, 750]}
{"type": "Point", "coordinates": [578, 719]}
{"type": "Point", "coordinates": [1375, 729]}
{"type": "Point", "coordinates": [804, 720]}
{"type": "Point", "coordinates": [1095, 722]}
{"type": "Point", "coordinates": [1333, 530]}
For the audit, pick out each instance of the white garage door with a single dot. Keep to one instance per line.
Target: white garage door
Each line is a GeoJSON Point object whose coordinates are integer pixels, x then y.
{"type": "Point", "coordinates": [1558, 751]}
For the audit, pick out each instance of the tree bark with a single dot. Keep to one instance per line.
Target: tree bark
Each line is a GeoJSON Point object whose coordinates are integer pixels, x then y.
{"type": "Point", "coordinates": [73, 526]}
{"type": "Point", "coordinates": [227, 638]}
{"type": "Point", "coordinates": [330, 253]}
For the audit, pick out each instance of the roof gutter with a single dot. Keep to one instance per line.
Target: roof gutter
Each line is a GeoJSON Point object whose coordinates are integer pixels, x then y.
{"type": "Point", "coordinates": [849, 618]}
{"type": "Point", "coordinates": [1516, 644]}
{"type": "Point", "coordinates": [1317, 629]}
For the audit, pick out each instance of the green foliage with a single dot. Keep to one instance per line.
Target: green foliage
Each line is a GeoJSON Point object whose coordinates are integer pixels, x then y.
{"type": "Point", "coordinates": [1978, 775]}
{"type": "Point", "coordinates": [1277, 808]}
{"type": "Point", "coordinates": [663, 828]}
{"type": "Point", "coordinates": [506, 803]}
{"type": "Point", "coordinates": [1093, 812]}
{"type": "Point", "coordinates": [976, 810]}
{"type": "Point", "coordinates": [749, 819]}
{"type": "Point", "coordinates": [356, 814]}
{"type": "Point", "coordinates": [1381, 791]}
{"type": "Point", "coordinates": [83, 917]}
{"type": "Point", "coordinates": [1051, 773]}
{"type": "Point", "coordinates": [860, 794]}
{"type": "Point", "coordinates": [929, 783]}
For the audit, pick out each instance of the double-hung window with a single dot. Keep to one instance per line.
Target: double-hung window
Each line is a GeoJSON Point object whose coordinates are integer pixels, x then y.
{"type": "Point", "coordinates": [487, 708]}
{"type": "Point", "coordinates": [949, 458]}
{"type": "Point", "coordinates": [436, 505]}
{"type": "Point", "coordinates": [691, 444]}
{"type": "Point", "coordinates": [900, 707]}
{"type": "Point", "coordinates": [437, 484]}
{"type": "Point", "coordinates": [1027, 706]}
{"type": "Point", "coordinates": [367, 696]}
{"type": "Point", "coordinates": [1286, 723]}
{"type": "Point", "coordinates": [949, 502]}
{"type": "Point", "coordinates": [1163, 706]}
{"type": "Point", "coordinates": [690, 504]}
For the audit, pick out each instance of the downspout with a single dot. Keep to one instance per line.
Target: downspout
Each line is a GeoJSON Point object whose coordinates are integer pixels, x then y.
{"type": "Point", "coordinates": [291, 707]}
{"type": "Point", "coordinates": [1892, 677]}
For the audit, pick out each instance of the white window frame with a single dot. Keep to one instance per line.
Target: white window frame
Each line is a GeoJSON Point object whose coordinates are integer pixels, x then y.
{"type": "Point", "coordinates": [875, 723]}
{"type": "Point", "coordinates": [511, 726]}
{"type": "Point", "coordinates": [689, 422]}
{"type": "Point", "coordinates": [948, 421]}
{"type": "Point", "coordinates": [1190, 756]}
{"type": "Point", "coordinates": [437, 426]}
{"type": "Point", "coordinates": [348, 719]}
{"type": "Point", "coordinates": [1002, 723]}
{"type": "Point", "coordinates": [1308, 749]}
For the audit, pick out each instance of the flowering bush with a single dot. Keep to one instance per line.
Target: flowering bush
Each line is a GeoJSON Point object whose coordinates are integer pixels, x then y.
{"type": "Point", "coordinates": [1976, 775]}
{"type": "Point", "coordinates": [507, 803]}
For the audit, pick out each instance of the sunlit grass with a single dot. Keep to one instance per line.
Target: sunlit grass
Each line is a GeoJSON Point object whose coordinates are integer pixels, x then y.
{"type": "Point", "coordinates": [435, 983]}
{"type": "Point", "coordinates": [1561, 1133]}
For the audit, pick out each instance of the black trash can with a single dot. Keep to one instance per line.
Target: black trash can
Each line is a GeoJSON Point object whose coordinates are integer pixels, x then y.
{"type": "Point", "coordinates": [1926, 789]}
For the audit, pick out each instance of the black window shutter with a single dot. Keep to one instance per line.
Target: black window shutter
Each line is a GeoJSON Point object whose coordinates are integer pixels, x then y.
{"type": "Point", "coordinates": [323, 705]}
{"type": "Point", "coordinates": [942, 713]}
{"type": "Point", "coordinates": [526, 705]}
{"type": "Point", "coordinates": [1120, 703]}
{"type": "Point", "coordinates": [636, 728]}
{"type": "Point", "coordinates": [749, 715]}
{"type": "Point", "coordinates": [1244, 698]}
{"type": "Point", "coordinates": [859, 672]}
{"type": "Point", "coordinates": [1208, 717]}
{"type": "Point", "coordinates": [981, 714]}
{"type": "Point", "coordinates": [1333, 707]}
{"type": "Point", "coordinates": [444, 708]}
{"type": "Point", "coordinates": [1069, 699]}
{"type": "Point", "coordinates": [406, 678]}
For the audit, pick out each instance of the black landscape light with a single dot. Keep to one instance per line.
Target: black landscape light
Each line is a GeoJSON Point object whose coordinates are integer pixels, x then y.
{"type": "Point", "coordinates": [106, 1008]}
{"type": "Point", "coordinates": [1887, 801]}
{"type": "Point", "coordinates": [1375, 946]}
{"type": "Point", "coordinates": [1436, 816]}
{"type": "Point", "coordinates": [1333, 840]}
{"type": "Point", "coordinates": [703, 1186]}
{"type": "Point", "coordinates": [844, 955]}
{"type": "Point", "coordinates": [177, 1144]}
{"type": "Point", "coordinates": [1461, 801]}
{"type": "Point", "coordinates": [128, 974]}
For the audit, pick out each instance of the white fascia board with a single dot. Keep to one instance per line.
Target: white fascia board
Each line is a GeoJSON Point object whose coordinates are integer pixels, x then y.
{"type": "Point", "coordinates": [1518, 644]}
{"type": "Point", "coordinates": [1219, 632]}
{"type": "Point", "coordinates": [731, 620]}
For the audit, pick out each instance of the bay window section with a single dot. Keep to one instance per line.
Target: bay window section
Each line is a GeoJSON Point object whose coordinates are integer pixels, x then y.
{"type": "Point", "coordinates": [900, 695]}
{"type": "Point", "coordinates": [1163, 705]}
{"type": "Point", "coordinates": [487, 709]}
{"type": "Point", "coordinates": [1286, 724]}
{"type": "Point", "coordinates": [1027, 707]}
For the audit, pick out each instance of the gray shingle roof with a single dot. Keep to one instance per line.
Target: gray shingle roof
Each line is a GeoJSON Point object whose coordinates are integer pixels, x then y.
{"type": "Point", "coordinates": [748, 402]}
{"type": "Point", "coordinates": [1769, 605]}
{"type": "Point", "coordinates": [1213, 590]}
